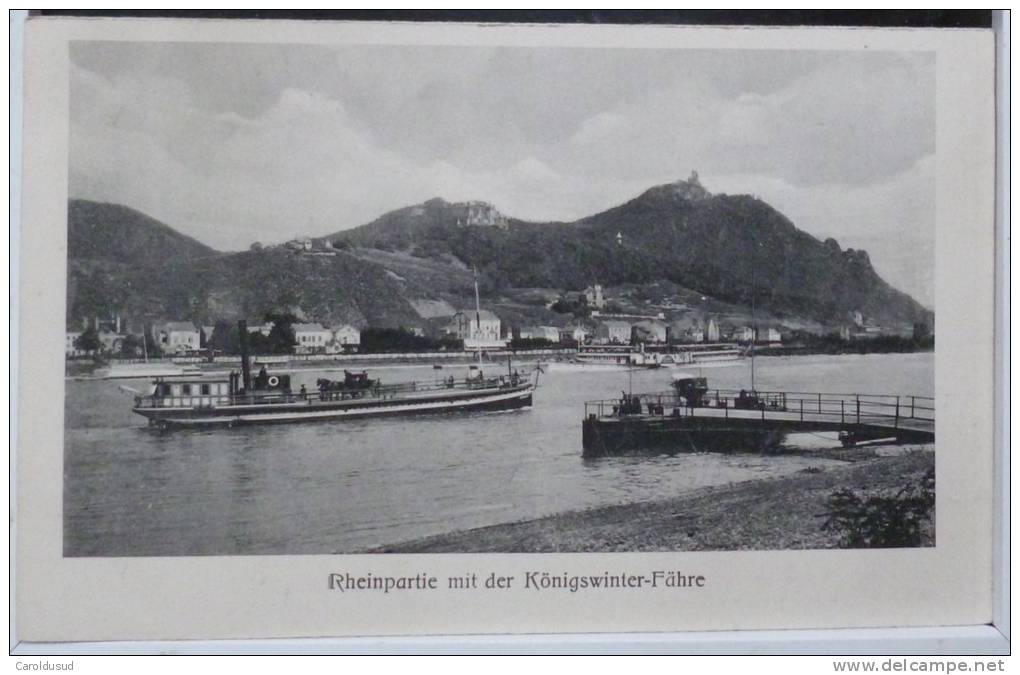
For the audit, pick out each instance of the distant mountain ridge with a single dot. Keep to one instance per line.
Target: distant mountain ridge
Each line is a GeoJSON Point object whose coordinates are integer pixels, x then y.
{"type": "Point", "coordinates": [733, 248]}
{"type": "Point", "coordinates": [121, 261]}
{"type": "Point", "coordinates": [100, 231]}
{"type": "Point", "coordinates": [728, 247]}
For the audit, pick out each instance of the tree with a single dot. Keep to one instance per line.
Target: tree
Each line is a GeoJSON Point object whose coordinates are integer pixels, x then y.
{"type": "Point", "coordinates": [225, 338]}
{"type": "Point", "coordinates": [88, 341]}
{"type": "Point", "coordinates": [132, 347]}
{"type": "Point", "coordinates": [281, 338]}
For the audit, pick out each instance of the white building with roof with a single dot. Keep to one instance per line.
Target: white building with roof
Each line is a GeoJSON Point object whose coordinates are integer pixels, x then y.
{"type": "Point", "coordinates": [613, 332]}
{"type": "Point", "coordinates": [176, 337]}
{"type": "Point", "coordinates": [550, 333]}
{"type": "Point", "coordinates": [712, 332]}
{"type": "Point", "coordinates": [310, 338]}
{"type": "Point", "coordinates": [477, 328]}
{"type": "Point", "coordinates": [69, 343]}
{"type": "Point", "coordinates": [346, 338]}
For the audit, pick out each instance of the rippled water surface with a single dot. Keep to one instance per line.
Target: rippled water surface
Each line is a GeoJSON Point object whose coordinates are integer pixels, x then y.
{"type": "Point", "coordinates": [345, 486]}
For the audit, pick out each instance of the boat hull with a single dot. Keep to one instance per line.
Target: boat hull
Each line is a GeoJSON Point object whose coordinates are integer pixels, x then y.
{"type": "Point", "coordinates": [510, 398]}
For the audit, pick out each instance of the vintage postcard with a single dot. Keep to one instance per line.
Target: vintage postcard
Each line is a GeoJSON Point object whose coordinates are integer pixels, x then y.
{"type": "Point", "coordinates": [340, 329]}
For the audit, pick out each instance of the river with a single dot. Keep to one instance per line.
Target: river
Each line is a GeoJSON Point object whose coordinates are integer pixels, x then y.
{"type": "Point", "coordinates": [340, 487]}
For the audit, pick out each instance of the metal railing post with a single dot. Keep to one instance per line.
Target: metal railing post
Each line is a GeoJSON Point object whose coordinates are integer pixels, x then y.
{"type": "Point", "coordinates": [911, 407]}
{"type": "Point", "coordinates": [858, 408]}
{"type": "Point", "coordinates": [802, 410]}
{"type": "Point", "coordinates": [819, 404]}
{"type": "Point", "coordinates": [842, 414]}
{"type": "Point", "coordinates": [896, 423]}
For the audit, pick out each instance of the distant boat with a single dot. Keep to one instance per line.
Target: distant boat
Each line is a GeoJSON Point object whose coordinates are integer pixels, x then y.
{"type": "Point", "coordinates": [626, 357]}
{"type": "Point", "coordinates": [607, 357]}
{"type": "Point", "coordinates": [704, 355]}
{"type": "Point", "coordinates": [133, 370]}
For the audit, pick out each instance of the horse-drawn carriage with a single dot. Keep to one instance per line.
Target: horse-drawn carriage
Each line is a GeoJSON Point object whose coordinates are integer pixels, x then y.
{"type": "Point", "coordinates": [354, 385]}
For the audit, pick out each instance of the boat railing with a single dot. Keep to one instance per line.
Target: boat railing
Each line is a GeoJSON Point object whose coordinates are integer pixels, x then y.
{"type": "Point", "coordinates": [795, 404]}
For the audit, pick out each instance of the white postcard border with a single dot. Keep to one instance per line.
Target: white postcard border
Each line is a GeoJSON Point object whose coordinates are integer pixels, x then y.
{"type": "Point", "coordinates": [154, 598]}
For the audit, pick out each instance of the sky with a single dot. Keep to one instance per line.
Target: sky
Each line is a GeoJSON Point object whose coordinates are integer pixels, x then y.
{"type": "Point", "coordinates": [236, 143]}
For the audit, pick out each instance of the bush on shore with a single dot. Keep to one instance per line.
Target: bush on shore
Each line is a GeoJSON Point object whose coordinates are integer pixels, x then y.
{"type": "Point", "coordinates": [883, 521]}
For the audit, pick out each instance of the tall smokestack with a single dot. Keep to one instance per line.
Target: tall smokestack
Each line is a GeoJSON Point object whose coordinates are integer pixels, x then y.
{"type": "Point", "coordinates": [242, 327]}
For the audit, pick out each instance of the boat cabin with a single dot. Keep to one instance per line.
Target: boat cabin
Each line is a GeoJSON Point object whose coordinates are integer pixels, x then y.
{"type": "Point", "coordinates": [174, 392]}
{"type": "Point", "coordinates": [692, 389]}
{"type": "Point", "coordinates": [195, 390]}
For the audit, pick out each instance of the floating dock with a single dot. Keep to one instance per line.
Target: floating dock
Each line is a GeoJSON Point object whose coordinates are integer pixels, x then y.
{"type": "Point", "coordinates": [732, 421]}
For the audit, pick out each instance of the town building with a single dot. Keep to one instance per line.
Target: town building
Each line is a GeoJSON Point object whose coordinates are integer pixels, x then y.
{"type": "Point", "coordinates": [550, 333]}
{"type": "Point", "coordinates": [613, 332]}
{"type": "Point", "coordinates": [479, 214]}
{"type": "Point", "coordinates": [576, 333]}
{"type": "Point", "coordinates": [176, 337]}
{"type": "Point", "coordinates": [346, 338]}
{"type": "Point", "coordinates": [259, 326]}
{"type": "Point", "coordinates": [742, 334]}
{"type": "Point", "coordinates": [593, 296]}
{"type": "Point", "coordinates": [769, 335]}
{"type": "Point", "coordinates": [310, 338]}
{"type": "Point", "coordinates": [299, 244]}
{"type": "Point", "coordinates": [110, 342]}
{"type": "Point", "coordinates": [651, 331]}
{"type": "Point", "coordinates": [712, 333]}
{"type": "Point", "coordinates": [687, 330]}
{"type": "Point", "coordinates": [70, 349]}
{"type": "Point", "coordinates": [476, 326]}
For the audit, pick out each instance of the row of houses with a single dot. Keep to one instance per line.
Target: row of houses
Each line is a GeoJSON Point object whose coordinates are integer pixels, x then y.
{"type": "Point", "coordinates": [476, 329]}
{"type": "Point", "coordinates": [657, 331]}
{"type": "Point", "coordinates": [182, 337]}
{"type": "Point", "coordinates": [484, 329]}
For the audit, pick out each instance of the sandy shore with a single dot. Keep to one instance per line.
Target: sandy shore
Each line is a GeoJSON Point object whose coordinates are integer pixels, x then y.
{"type": "Point", "coordinates": [766, 514]}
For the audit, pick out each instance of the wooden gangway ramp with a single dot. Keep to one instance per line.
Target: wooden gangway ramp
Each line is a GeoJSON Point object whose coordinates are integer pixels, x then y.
{"type": "Point", "coordinates": [729, 420]}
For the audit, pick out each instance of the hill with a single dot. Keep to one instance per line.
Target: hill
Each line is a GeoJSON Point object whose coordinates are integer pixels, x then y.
{"type": "Point", "coordinates": [115, 233]}
{"type": "Point", "coordinates": [413, 265]}
{"type": "Point", "coordinates": [725, 247]}
{"type": "Point", "coordinates": [123, 262]}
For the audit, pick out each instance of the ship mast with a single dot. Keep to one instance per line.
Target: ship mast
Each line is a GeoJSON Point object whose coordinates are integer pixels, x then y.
{"type": "Point", "coordinates": [478, 323]}
{"type": "Point", "coordinates": [754, 325]}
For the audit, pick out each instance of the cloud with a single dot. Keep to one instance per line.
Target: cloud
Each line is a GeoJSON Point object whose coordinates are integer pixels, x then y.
{"type": "Point", "coordinates": [236, 143]}
{"type": "Point", "coordinates": [599, 128]}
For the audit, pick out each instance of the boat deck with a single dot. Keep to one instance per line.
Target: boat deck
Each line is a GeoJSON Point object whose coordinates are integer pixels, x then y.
{"type": "Point", "coordinates": [657, 416]}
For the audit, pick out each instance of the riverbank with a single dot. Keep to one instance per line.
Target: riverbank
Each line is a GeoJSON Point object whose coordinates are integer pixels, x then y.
{"type": "Point", "coordinates": [767, 514]}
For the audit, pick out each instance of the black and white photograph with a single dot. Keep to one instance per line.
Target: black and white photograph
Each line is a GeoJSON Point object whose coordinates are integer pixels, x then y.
{"type": "Point", "coordinates": [387, 330]}
{"type": "Point", "coordinates": [418, 299]}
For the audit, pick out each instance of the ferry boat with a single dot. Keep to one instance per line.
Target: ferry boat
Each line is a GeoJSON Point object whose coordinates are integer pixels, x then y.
{"type": "Point", "coordinates": [195, 401]}
{"type": "Point", "coordinates": [238, 398]}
